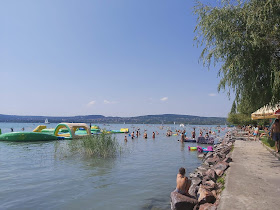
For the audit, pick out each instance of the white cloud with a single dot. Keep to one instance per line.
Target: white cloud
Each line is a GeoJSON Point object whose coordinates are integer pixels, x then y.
{"type": "Point", "coordinates": [110, 102]}
{"type": "Point", "coordinates": [164, 99]}
{"type": "Point", "coordinates": [212, 94]}
{"type": "Point", "coordinates": [91, 103]}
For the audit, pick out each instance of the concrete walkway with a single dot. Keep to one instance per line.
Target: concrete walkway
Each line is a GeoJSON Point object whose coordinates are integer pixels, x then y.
{"type": "Point", "coordinates": [253, 179]}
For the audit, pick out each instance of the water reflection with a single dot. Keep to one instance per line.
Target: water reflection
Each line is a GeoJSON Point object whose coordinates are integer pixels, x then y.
{"type": "Point", "coordinates": [140, 177]}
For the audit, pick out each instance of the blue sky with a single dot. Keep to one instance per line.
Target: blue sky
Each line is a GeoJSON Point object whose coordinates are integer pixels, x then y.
{"type": "Point", "coordinates": [109, 57]}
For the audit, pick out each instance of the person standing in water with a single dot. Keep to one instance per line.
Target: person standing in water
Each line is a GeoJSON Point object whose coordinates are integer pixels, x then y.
{"type": "Point", "coordinates": [132, 135]}
{"type": "Point", "coordinates": [145, 135]}
{"type": "Point", "coordinates": [182, 137]}
{"type": "Point", "coordinates": [125, 138]}
{"type": "Point", "coordinates": [154, 135]}
{"type": "Point", "coordinates": [193, 133]}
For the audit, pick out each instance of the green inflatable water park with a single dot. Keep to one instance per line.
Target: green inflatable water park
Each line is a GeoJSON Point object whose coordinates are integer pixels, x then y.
{"type": "Point", "coordinates": [27, 136]}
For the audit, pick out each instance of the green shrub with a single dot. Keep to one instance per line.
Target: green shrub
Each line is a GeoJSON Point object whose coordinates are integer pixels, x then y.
{"type": "Point", "coordinates": [103, 145]}
{"type": "Point", "coordinates": [268, 141]}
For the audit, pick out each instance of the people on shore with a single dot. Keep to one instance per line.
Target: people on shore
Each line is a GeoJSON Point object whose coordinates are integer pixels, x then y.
{"type": "Point", "coordinates": [265, 133]}
{"type": "Point", "coordinates": [256, 132]}
{"type": "Point", "coordinates": [275, 131]}
{"type": "Point", "coordinates": [183, 183]}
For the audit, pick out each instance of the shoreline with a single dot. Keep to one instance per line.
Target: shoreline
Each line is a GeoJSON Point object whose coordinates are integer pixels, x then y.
{"type": "Point", "coordinates": [208, 179]}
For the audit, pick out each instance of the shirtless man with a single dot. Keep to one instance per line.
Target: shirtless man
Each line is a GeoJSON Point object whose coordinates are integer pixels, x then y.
{"type": "Point", "coordinates": [183, 184]}
{"type": "Point", "coordinates": [275, 131]}
{"type": "Point", "coordinates": [132, 135]}
{"type": "Point", "coordinates": [182, 137]}
{"type": "Point", "coordinates": [154, 135]}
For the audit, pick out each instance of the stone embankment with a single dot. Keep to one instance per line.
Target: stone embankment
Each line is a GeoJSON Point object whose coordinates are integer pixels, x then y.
{"type": "Point", "coordinates": [207, 180]}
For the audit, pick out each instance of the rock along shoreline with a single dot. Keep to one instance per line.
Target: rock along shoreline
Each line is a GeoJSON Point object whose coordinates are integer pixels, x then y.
{"type": "Point", "coordinates": [207, 180]}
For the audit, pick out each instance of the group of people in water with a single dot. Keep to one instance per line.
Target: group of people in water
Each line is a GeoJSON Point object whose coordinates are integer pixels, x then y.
{"type": "Point", "coordinates": [193, 133]}
{"type": "Point", "coordinates": [137, 134]}
{"type": "Point", "coordinates": [12, 129]}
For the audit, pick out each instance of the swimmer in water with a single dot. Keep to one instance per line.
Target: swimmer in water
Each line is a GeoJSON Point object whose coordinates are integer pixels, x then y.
{"type": "Point", "coordinates": [145, 135]}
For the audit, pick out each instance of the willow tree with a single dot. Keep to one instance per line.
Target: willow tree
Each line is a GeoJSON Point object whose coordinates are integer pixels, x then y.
{"type": "Point", "coordinates": [244, 37]}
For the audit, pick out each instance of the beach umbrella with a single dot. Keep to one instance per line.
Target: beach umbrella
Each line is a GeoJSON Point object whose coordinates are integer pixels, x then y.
{"type": "Point", "coordinates": [267, 112]}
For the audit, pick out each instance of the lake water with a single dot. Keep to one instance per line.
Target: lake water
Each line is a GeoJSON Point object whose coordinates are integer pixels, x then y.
{"type": "Point", "coordinates": [32, 176]}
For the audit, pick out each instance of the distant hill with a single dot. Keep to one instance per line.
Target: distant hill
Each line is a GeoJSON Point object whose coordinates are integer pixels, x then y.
{"type": "Point", "coordinates": [99, 119]}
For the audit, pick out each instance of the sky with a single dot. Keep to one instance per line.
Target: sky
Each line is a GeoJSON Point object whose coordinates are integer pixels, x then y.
{"type": "Point", "coordinates": [110, 57]}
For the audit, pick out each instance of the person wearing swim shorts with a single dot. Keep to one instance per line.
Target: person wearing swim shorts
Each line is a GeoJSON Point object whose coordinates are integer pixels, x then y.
{"type": "Point", "coordinates": [132, 135]}
{"type": "Point", "coordinates": [183, 183]}
{"type": "Point", "coordinates": [256, 132]}
{"type": "Point", "coordinates": [275, 131]}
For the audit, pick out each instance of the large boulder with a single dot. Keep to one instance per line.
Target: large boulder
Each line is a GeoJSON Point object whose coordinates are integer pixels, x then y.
{"type": "Point", "coordinates": [201, 170]}
{"type": "Point", "coordinates": [193, 190]}
{"type": "Point", "coordinates": [205, 195]}
{"type": "Point", "coordinates": [211, 174]}
{"type": "Point", "coordinates": [228, 159]}
{"type": "Point", "coordinates": [209, 155]}
{"type": "Point", "coordinates": [194, 186]}
{"type": "Point", "coordinates": [207, 206]}
{"type": "Point", "coordinates": [203, 165]}
{"type": "Point", "coordinates": [196, 180]}
{"type": "Point", "coordinates": [226, 150]}
{"type": "Point", "coordinates": [220, 167]}
{"type": "Point", "coordinates": [210, 185]}
{"type": "Point", "coordinates": [181, 202]}
{"type": "Point", "coordinates": [213, 160]}
{"type": "Point", "coordinates": [221, 155]}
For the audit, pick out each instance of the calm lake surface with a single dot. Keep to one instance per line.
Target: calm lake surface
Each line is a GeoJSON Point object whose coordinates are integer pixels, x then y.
{"type": "Point", "coordinates": [33, 176]}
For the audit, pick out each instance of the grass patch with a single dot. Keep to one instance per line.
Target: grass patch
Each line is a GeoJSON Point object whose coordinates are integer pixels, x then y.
{"type": "Point", "coordinates": [221, 180]}
{"type": "Point", "coordinates": [103, 146]}
{"type": "Point", "coordinates": [268, 142]}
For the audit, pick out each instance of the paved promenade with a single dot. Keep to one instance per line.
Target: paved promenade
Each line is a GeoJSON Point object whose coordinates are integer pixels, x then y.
{"type": "Point", "coordinates": [253, 180]}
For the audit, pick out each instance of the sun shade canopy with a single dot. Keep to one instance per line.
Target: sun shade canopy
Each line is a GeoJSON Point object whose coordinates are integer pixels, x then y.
{"type": "Point", "coordinates": [266, 112]}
